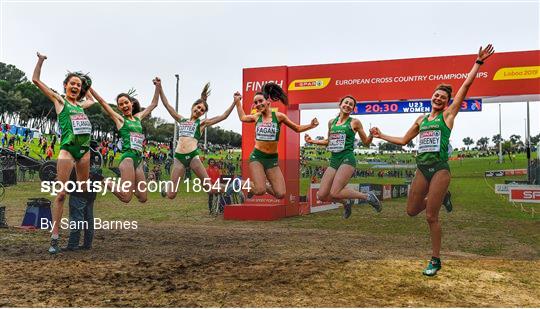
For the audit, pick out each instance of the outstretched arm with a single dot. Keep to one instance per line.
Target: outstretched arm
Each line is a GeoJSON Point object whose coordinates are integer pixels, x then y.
{"type": "Point", "coordinates": [323, 142]}
{"type": "Point", "coordinates": [142, 114]}
{"type": "Point", "coordinates": [212, 121]}
{"type": "Point", "coordinates": [169, 108]}
{"type": "Point", "coordinates": [297, 127]}
{"type": "Point", "coordinates": [357, 126]}
{"type": "Point", "coordinates": [36, 79]}
{"type": "Point", "coordinates": [118, 120]}
{"type": "Point", "coordinates": [242, 115]}
{"type": "Point", "coordinates": [454, 108]}
{"type": "Point", "coordinates": [404, 140]}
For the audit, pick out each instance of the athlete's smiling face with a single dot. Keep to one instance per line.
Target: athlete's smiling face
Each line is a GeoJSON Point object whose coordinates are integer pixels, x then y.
{"type": "Point", "coordinates": [347, 105]}
{"type": "Point", "coordinates": [439, 100]}
{"type": "Point", "coordinates": [198, 110]}
{"type": "Point", "coordinates": [73, 87]}
{"type": "Point", "coordinates": [260, 102]}
{"type": "Point", "coordinates": [125, 105]}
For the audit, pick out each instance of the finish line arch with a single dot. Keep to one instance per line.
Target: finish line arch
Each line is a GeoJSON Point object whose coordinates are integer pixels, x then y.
{"type": "Point", "coordinates": [506, 77]}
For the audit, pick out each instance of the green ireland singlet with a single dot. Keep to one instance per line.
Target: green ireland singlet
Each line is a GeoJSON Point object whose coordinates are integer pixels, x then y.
{"type": "Point", "coordinates": [434, 137]}
{"type": "Point", "coordinates": [132, 140]}
{"type": "Point", "coordinates": [131, 135]}
{"type": "Point", "coordinates": [341, 144]}
{"type": "Point", "coordinates": [341, 136]}
{"type": "Point", "coordinates": [189, 128]}
{"type": "Point", "coordinates": [267, 131]}
{"type": "Point", "coordinates": [75, 125]}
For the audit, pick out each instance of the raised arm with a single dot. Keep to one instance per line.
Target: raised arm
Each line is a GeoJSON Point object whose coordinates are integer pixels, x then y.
{"type": "Point", "coordinates": [242, 115]}
{"type": "Point", "coordinates": [144, 113]}
{"type": "Point", "coordinates": [88, 101]}
{"type": "Point", "coordinates": [404, 140]}
{"type": "Point", "coordinates": [454, 108]}
{"type": "Point", "coordinates": [211, 121]}
{"type": "Point", "coordinates": [169, 108]}
{"type": "Point", "coordinates": [357, 126]}
{"type": "Point", "coordinates": [118, 120]}
{"type": "Point", "coordinates": [323, 142]}
{"type": "Point", "coordinates": [36, 79]}
{"type": "Point", "coordinates": [298, 128]}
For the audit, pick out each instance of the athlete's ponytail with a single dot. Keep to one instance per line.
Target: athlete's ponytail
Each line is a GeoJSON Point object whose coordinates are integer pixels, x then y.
{"type": "Point", "coordinates": [274, 92]}
{"type": "Point", "coordinates": [204, 97]}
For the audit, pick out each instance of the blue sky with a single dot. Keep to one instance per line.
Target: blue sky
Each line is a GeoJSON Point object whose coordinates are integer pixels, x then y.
{"type": "Point", "coordinates": [124, 44]}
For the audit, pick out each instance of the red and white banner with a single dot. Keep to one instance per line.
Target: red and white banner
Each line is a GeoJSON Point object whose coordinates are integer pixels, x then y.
{"type": "Point", "coordinates": [315, 204]}
{"type": "Point", "coordinates": [524, 194]}
{"type": "Point", "coordinates": [503, 74]}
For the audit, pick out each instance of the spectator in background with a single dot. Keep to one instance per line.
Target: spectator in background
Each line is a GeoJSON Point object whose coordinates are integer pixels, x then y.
{"type": "Point", "coordinates": [44, 146]}
{"type": "Point", "coordinates": [49, 153]}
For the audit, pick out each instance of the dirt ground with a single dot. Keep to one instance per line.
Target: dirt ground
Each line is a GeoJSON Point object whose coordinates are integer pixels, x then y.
{"type": "Point", "coordinates": [234, 266]}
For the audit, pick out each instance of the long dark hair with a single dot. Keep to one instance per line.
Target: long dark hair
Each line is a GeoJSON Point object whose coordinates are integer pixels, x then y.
{"type": "Point", "coordinates": [135, 105]}
{"type": "Point", "coordinates": [86, 83]}
{"type": "Point", "coordinates": [274, 92]}
{"type": "Point", "coordinates": [204, 97]}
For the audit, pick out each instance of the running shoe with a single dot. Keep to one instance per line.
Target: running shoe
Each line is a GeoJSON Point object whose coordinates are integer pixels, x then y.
{"type": "Point", "coordinates": [447, 203]}
{"type": "Point", "coordinates": [347, 209]}
{"type": "Point", "coordinates": [374, 202]}
{"type": "Point", "coordinates": [433, 267]}
{"type": "Point", "coordinates": [54, 248]}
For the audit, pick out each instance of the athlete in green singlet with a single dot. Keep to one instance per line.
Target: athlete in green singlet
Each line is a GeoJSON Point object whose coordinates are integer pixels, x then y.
{"type": "Point", "coordinates": [75, 140]}
{"type": "Point", "coordinates": [432, 178]}
{"type": "Point", "coordinates": [263, 161]}
{"type": "Point", "coordinates": [130, 132]}
{"type": "Point", "coordinates": [340, 142]}
{"type": "Point", "coordinates": [190, 132]}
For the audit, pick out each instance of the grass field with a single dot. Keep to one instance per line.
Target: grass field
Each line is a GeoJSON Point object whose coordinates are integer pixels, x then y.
{"type": "Point", "coordinates": [181, 256]}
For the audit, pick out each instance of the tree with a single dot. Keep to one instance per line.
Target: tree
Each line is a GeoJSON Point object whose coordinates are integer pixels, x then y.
{"type": "Point", "coordinates": [482, 143]}
{"type": "Point", "coordinates": [385, 146]}
{"type": "Point", "coordinates": [507, 147]}
{"type": "Point", "coordinates": [535, 139]}
{"type": "Point", "coordinates": [410, 144]}
{"type": "Point", "coordinates": [11, 74]}
{"type": "Point", "coordinates": [468, 141]}
{"type": "Point", "coordinates": [496, 139]}
{"type": "Point", "coordinates": [516, 141]}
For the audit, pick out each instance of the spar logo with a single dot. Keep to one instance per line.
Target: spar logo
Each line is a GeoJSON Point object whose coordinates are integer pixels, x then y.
{"type": "Point", "coordinates": [309, 84]}
{"type": "Point", "coordinates": [526, 193]}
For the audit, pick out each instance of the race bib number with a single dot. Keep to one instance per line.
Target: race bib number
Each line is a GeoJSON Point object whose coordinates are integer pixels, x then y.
{"type": "Point", "coordinates": [80, 124]}
{"type": "Point", "coordinates": [336, 142]}
{"type": "Point", "coordinates": [187, 128]}
{"type": "Point", "coordinates": [266, 131]}
{"type": "Point", "coordinates": [136, 140]}
{"type": "Point", "coordinates": [430, 141]}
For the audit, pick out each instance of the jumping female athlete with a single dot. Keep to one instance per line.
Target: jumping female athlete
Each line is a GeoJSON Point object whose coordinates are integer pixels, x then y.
{"type": "Point", "coordinates": [432, 177]}
{"type": "Point", "coordinates": [263, 161]}
{"type": "Point", "coordinates": [75, 140]}
{"type": "Point", "coordinates": [190, 131]}
{"type": "Point", "coordinates": [130, 132]}
{"type": "Point", "coordinates": [340, 142]}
